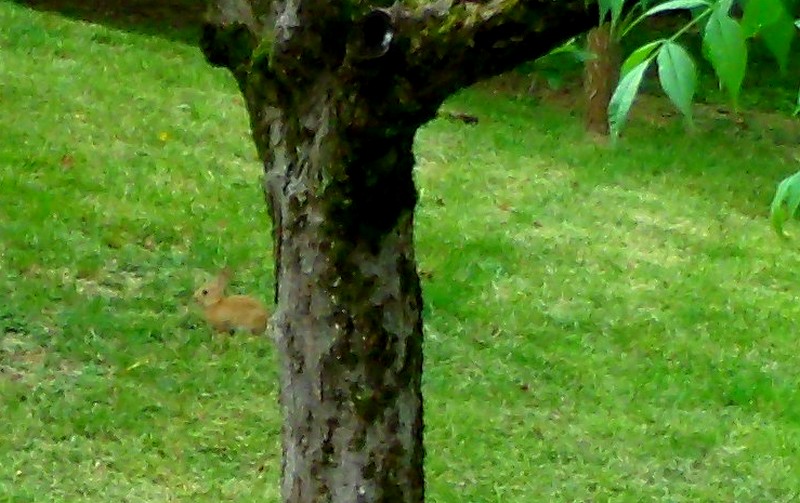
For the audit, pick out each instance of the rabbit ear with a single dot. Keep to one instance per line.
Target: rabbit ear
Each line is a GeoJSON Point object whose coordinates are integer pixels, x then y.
{"type": "Point", "coordinates": [224, 276]}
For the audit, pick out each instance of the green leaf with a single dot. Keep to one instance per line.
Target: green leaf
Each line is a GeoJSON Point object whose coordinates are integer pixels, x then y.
{"type": "Point", "coordinates": [797, 23]}
{"type": "Point", "coordinates": [797, 108]}
{"type": "Point", "coordinates": [770, 19]}
{"type": "Point", "coordinates": [612, 6]}
{"type": "Point", "coordinates": [571, 49]}
{"type": "Point", "coordinates": [723, 6]}
{"type": "Point", "coordinates": [778, 38]}
{"type": "Point", "coordinates": [568, 46]}
{"type": "Point", "coordinates": [639, 55]}
{"type": "Point", "coordinates": [785, 203]}
{"type": "Point", "coordinates": [605, 8]}
{"type": "Point", "coordinates": [726, 49]}
{"type": "Point", "coordinates": [759, 14]}
{"type": "Point", "coordinates": [678, 76]}
{"type": "Point", "coordinates": [676, 4]}
{"type": "Point", "coordinates": [616, 12]}
{"type": "Point", "coordinates": [623, 97]}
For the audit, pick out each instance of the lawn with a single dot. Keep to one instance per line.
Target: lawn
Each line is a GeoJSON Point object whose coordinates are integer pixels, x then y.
{"type": "Point", "coordinates": [602, 324]}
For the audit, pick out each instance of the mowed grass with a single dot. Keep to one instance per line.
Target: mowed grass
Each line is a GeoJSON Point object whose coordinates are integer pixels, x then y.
{"type": "Point", "coordinates": [601, 324]}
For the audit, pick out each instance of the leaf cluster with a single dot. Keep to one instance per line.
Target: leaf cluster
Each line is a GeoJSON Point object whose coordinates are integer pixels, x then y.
{"type": "Point", "coordinates": [725, 46]}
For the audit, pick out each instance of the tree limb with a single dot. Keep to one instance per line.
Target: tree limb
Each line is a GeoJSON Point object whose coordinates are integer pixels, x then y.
{"type": "Point", "coordinates": [230, 34]}
{"type": "Point", "coordinates": [437, 48]}
{"type": "Point", "coordinates": [451, 44]}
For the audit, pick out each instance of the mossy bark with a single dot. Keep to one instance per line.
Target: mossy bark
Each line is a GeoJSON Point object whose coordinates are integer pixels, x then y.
{"type": "Point", "coordinates": [334, 120]}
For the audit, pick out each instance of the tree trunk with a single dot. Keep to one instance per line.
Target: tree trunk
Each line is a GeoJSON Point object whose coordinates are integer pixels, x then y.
{"type": "Point", "coordinates": [348, 327]}
{"type": "Point", "coordinates": [601, 77]}
{"type": "Point", "coordinates": [334, 120]}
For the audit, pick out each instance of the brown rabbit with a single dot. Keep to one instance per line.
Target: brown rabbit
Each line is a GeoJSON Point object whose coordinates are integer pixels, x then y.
{"type": "Point", "coordinates": [226, 314]}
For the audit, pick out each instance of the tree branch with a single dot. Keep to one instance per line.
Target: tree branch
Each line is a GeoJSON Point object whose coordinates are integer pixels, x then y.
{"type": "Point", "coordinates": [431, 51]}
{"type": "Point", "coordinates": [451, 44]}
{"type": "Point", "coordinates": [230, 34]}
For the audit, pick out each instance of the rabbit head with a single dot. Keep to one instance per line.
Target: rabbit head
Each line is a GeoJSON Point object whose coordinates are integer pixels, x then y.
{"type": "Point", "coordinates": [214, 291]}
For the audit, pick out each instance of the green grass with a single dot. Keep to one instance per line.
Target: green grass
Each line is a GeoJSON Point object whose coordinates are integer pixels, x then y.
{"type": "Point", "coordinates": [602, 324]}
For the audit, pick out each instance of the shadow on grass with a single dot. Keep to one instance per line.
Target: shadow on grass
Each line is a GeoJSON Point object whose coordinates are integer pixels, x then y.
{"type": "Point", "coordinates": [177, 20]}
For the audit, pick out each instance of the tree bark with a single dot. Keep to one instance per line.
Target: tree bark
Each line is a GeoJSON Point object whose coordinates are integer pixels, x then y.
{"type": "Point", "coordinates": [601, 77]}
{"type": "Point", "coordinates": [348, 327]}
{"type": "Point", "coordinates": [334, 120]}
